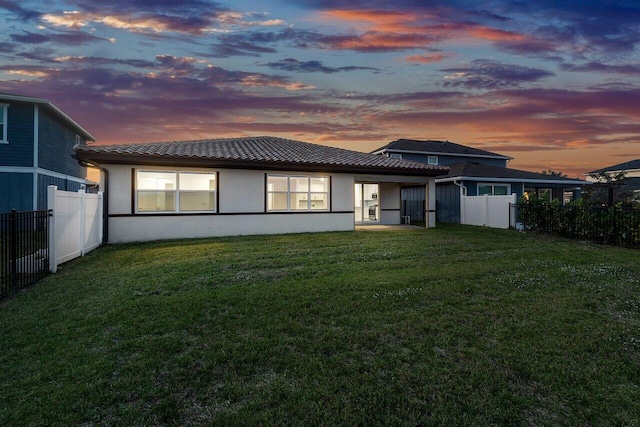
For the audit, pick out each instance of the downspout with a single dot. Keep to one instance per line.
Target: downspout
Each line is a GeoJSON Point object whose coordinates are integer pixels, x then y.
{"type": "Point", "coordinates": [462, 187]}
{"type": "Point", "coordinates": [105, 198]}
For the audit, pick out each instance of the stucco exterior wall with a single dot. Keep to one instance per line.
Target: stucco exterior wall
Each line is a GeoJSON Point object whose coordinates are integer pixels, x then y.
{"type": "Point", "coordinates": [241, 209]}
{"type": "Point", "coordinates": [389, 203]}
{"type": "Point", "coordinates": [132, 229]}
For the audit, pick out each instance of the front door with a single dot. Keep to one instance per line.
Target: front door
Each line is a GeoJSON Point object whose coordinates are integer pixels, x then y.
{"type": "Point", "coordinates": [367, 203]}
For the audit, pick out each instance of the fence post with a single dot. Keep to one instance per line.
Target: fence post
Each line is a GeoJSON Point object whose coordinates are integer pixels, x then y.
{"type": "Point", "coordinates": [100, 216]}
{"type": "Point", "coordinates": [485, 214]}
{"type": "Point", "coordinates": [13, 247]}
{"type": "Point", "coordinates": [615, 237]}
{"type": "Point", "coordinates": [83, 211]}
{"type": "Point", "coordinates": [51, 206]}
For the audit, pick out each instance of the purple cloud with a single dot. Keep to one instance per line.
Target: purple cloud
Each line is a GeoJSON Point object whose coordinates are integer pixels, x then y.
{"type": "Point", "coordinates": [599, 67]}
{"type": "Point", "coordinates": [486, 74]}
{"type": "Point", "coordinates": [73, 38]}
{"type": "Point", "coordinates": [293, 65]}
{"type": "Point", "coordinates": [17, 9]}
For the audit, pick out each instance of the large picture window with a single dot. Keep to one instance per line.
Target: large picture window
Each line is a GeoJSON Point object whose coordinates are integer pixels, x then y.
{"type": "Point", "coordinates": [160, 191]}
{"type": "Point", "coordinates": [297, 193]}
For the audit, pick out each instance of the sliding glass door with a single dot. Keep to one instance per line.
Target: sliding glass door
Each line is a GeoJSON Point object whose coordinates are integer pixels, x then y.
{"type": "Point", "coordinates": [367, 203]}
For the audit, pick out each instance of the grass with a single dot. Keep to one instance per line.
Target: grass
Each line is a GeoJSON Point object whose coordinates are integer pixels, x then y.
{"type": "Point", "coordinates": [450, 326]}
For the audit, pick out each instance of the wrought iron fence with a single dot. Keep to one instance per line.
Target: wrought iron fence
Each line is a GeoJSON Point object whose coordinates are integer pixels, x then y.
{"type": "Point", "coordinates": [603, 225]}
{"type": "Point", "coordinates": [24, 249]}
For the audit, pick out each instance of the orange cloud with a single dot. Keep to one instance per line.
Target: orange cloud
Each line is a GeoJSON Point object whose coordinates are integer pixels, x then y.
{"type": "Point", "coordinates": [376, 20]}
{"type": "Point", "coordinates": [386, 30]}
{"type": "Point", "coordinates": [429, 58]}
{"type": "Point", "coordinates": [255, 80]}
{"type": "Point", "coordinates": [493, 34]}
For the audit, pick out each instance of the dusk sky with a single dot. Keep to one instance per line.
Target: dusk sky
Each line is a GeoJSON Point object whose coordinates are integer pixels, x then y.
{"type": "Point", "coordinates": [554, 84]}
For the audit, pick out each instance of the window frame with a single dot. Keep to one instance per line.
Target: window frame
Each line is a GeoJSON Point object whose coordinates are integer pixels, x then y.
{"type": "Point", "coordinates": [395, 155]}
{"type": "Point", "coordinates": [4, 115]}
{"type": "Point", "coordinates": [493, 190]}
{"type": "Point", "coordinates": [177, 191]}
{"type": "Point", "coordinates": [432, 160]}
{"type": "Point", "coordinates": [289, 193]}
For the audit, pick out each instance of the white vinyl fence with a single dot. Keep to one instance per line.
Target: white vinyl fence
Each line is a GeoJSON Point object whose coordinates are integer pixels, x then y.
{"type": "Point", "coordinates": [486, 211]}
{"type": "Point", "coordinates": [76, 225]}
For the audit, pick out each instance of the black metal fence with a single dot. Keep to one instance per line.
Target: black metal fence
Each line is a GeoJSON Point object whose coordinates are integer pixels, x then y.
{"type": "Point", "coordinates": [24, 249]}
{"type": "Point", "coordinates": [603, 225]}
{"type": "Point", "coordinates": [413, 209]}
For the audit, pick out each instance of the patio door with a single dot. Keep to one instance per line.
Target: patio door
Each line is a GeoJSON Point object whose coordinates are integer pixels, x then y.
{"type": "Point", "coordinates": [367, 203]}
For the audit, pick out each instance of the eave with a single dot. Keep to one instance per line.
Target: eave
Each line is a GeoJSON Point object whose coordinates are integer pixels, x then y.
{"type": "Point", "coordinates": [203, 162]}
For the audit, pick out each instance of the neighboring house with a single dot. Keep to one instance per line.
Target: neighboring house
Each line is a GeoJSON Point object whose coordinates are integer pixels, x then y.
{"type": "Point", "coordinates": [630, 190]}
{"type": "Point", "coordinates": [36, 148]}
{"type": "Point", "coordinates": [440, 153]}
{"type": "Point", "coordinates": [253, 185]}
{"type": "Point", "coordinates": [473, 172]}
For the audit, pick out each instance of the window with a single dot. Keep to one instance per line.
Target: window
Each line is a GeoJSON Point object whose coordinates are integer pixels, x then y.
{"type": "Point", "coordinates": [395, 155]}
{"type": "Point", "coordinates": [297, 193]}
{"type": "Point", "coordinates": [493, 189]}
{"type": "Point", "coordinates": [432, 160]}
{"type": "Point", "coordinates": [4, 109]}
{"type": "Point", "coordinates": [175, 191]}
{"type": "Point", "coordinates": [78, 140]}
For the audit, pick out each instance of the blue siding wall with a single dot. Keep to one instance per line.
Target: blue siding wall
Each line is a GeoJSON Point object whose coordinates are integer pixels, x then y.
{"type": "Point", "coordinates": [444, 160]}
{"type": "Point", "coordinates": [19, 150]}
{"type": "Point", "coordinates": [17, 191]}
{"type": "Point", "coordinates": [448, 203]}
{"type": "Point", "coordinates": [56, 143]}
{"type": "Point", "coordinates": [63, 184]}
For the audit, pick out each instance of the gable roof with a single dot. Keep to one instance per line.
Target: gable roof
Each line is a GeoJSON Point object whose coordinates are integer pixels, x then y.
{"type": "Point", "coordinates": [476, 171]}
{"type": "Point", "coordinates": [625, 166]}
{"type": "Point", "coordinates": [263, 152]}
{"type": "Point", "coordinates": [55, 110]}
{"type": "Point", "coordinates": [436, 148]}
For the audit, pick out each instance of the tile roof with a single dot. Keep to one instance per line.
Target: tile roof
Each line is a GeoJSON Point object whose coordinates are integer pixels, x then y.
{"type": "Point", "coordinates": [630, 165]}
{"type": "Point", "coordinates": [437, 147]}
{"type": "Point", "coordinates": [477, 170]}
{"type": "Point", "coordinates": [263, 151]}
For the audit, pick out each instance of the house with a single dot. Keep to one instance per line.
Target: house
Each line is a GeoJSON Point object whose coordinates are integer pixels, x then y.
{"type": "Point", "coordinates": [36, 148]}
{"type": "Point", "coordinates": [253, 185]}
{"type": "Point", "coordinates": [629, 189]}
{"type": "Point", "coordinates": [440, 153]}
{"type": "Point", "coordinates": [472, 172]}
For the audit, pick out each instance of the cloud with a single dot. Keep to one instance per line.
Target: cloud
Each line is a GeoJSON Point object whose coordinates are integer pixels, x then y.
{"type": "Point", "coordinates": [290, 64]}
{"type": "Point", "coordinates": [74, 38]}
{"type": "Point", "coordinates": [428, 58]}
{"type": "Point", "coordinates": [195, 18]}
{"type": "Point", "coordinates": [255, 43]}
{"type": "Point", "coordinates": [260, 80]}
{"type": "Point", "coordinates": [599, 67]}
{"type": "Point", "coordinates": [22, 13]}
{"type": "Point", "coordinates": [486, 74]}
{"type": "Point", "coordinates": [6, 47]}
{"type": "Point", "coordinates": [93, 61]}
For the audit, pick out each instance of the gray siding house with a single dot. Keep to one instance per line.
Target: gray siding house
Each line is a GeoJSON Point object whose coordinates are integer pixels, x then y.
{"type": "Point", "coordinates": [36, 148]}
{"type": "Point", "coordinates": [630, 189]}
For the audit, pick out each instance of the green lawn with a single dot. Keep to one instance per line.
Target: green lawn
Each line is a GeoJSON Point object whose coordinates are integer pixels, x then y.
{"type": "Point", "coordinates": [450, 326]}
